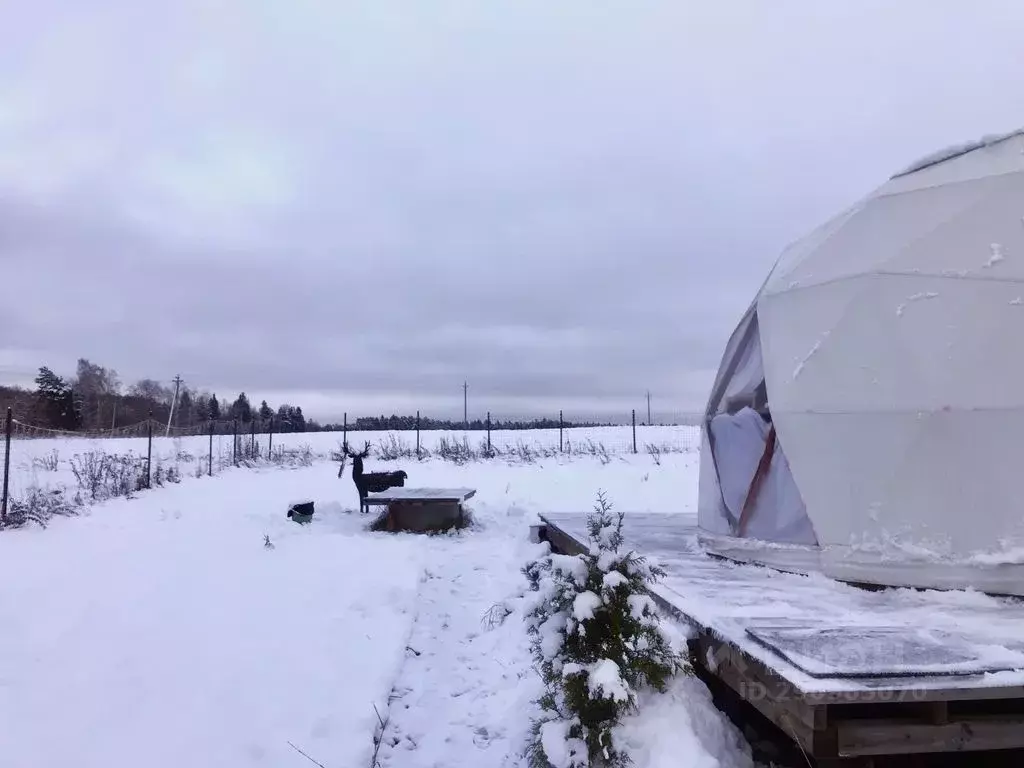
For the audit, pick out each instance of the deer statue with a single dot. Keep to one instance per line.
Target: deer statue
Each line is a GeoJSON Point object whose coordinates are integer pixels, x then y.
{"type": "Point", "coordinates": [367, 482]}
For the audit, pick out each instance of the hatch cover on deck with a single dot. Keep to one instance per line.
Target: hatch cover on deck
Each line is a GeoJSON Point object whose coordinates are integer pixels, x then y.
{"type": "Point", "coordinates": [854, 651]}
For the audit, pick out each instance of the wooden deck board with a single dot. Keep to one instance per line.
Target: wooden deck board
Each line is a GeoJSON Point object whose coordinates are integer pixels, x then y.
{"type": "Point", "coordinates": [725, 598]}
{"type": "Point", "coordinates": [831, 717]}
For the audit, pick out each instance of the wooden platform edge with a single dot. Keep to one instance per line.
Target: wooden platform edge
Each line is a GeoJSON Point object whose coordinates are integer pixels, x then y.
{"type": "Point", "coordinates": [772, 696]}
{"type": "Point", "coordinates": [864, 723]}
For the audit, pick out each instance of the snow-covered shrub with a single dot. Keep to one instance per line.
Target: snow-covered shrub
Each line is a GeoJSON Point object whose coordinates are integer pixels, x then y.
{"type": "Point", "coordinates": [106, 476]}
{"type": "Point", "coordinates": [248, 451]}
{"type": "Point", "coordinates": [90, 469]}
{"type": "Point", "coordinates": [486, 450]}
{"type": "Point", "coordinates": [169, 475]}
{"type": "Point", "coordinates": [523, 453]}
{"type": "Point", "coordinates": [456, 451]}
{"type": "Point", "coordinates": [302, 456]}
{"type": "Point", "coordinates": [597, 640]}
{"type": "Point", "coordinates": [48, 462]}
{"type": "Point", "coordinates": [495, 615]}
{"type": "Point", "coordinates": [394, 448]}
{"type": "Point", "coordinates": [595, 449]}
{"type": "Point", "coordinates": [39, 506]}
{"type": "Point", "coordinates": [655, 452]}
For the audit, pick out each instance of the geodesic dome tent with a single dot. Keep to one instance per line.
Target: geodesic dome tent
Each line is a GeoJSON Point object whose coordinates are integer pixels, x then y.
{"type": "Point", "coordinates": [867, 420]}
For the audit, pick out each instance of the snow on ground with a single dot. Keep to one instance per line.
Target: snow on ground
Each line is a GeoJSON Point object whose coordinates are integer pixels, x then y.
{"type": "Point", "coordinates": [161, 631]}
{"type": "Point", "coordinates": [634, 483]}
{"type": "Point", "coordinates": [465, 694]}
{"type": "Point", "coordinates": [682, 727]}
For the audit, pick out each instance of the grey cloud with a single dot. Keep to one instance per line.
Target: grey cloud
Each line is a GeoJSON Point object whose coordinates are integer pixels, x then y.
{"type": "Point", "coordinates": [560, 203]}
{"type": "Point", "coordinates": [263, 324]}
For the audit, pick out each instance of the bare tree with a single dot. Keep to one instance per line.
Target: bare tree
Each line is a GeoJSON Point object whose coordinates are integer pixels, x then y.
{"type": "Point", "coordinates": [95, 389]}
{"type": "Point", "coordinates": [151, 390]}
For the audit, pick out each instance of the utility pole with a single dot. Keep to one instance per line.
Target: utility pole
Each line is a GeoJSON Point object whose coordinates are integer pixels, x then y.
{"type": "Point", "coordinates": [174, 400]}
{"type": "Point", "coordinates": [465, 404]}
{"type": "Point", "coordinates": [648, 407]}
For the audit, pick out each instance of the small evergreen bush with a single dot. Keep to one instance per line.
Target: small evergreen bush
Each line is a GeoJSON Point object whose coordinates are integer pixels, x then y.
{"type": "Point", "coordinates": [597, 640]}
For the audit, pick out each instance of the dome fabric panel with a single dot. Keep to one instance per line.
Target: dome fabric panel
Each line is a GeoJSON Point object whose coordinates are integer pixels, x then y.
{"type": "Point", "coordinates": [890, 344]}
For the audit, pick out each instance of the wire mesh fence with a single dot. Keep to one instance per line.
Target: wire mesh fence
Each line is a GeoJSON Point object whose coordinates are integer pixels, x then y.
{"type": "Point", "coordinates": [57, 470]}
{"type": "Point", "coordinates": [101, 464]}
{"type": "Point", "coordinates": [496, 435]}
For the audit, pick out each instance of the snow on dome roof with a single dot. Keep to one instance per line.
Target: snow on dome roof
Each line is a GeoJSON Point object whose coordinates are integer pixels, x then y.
{"type": "Point", "coordinates": [948, 153]}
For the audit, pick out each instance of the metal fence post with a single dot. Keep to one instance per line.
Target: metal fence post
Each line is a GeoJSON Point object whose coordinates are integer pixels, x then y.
{"type": "Point", "coordinates": [344, 428]}
{"type": "Point", "coordinates": [634, 430]}
{"type": "Point", "coordinates": [209, 469]}
{"type": "Point", "coordinates": [234, 442]}
{"type": "Point", "coordinates": [270, 440]}
{"type": "Point", "coordinates": [561, 426]}
{"type": "Point", "coordinates": [8, 429]}
{"type": "Point", "coordinates": [252, 444]}
{"type": "Point", "coordinates": [418, 455]}
{"type": "Point", "coordinates": [149, 451]}
{"type": "Point", "coordinates": [488, 434]}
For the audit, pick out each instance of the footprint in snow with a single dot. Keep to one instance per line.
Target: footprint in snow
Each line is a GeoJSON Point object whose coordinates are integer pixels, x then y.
{"type": "Point", "coordinates": [481, 737]}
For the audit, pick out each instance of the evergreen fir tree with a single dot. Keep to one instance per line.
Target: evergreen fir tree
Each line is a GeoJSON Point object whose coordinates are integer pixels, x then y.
{"type": "Point", "coordinates": [597, 640]}
{"type": "Point", "coordinates": [49, 386]}
{"type": "Point", "coordinates": [284, 418]}
{"type": "Point", "coordinates": [202, 409]}
{"type": "Point", "coordinates": [213, 410]}
{"type": "Point", "coordinates": [185, 411]}
{"type": "Point", "coordinates": [265, 411]}
{"type": "Point", "coordinates": [241, 409]}
{"type": "Point", "coordinates": [56, 400]}
{"type": "Point", "coordinates": [69, 415]}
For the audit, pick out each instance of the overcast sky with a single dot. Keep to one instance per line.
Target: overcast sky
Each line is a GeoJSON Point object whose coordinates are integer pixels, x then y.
{"type": "Point", "coordinates": [358, 206]}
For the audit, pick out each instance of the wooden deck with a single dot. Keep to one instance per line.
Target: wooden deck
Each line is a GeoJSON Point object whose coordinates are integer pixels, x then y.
{"type": "Point", "coordinates": [886, 672]}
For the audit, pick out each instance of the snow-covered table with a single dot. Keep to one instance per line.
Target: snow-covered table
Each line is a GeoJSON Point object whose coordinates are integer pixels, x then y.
{"type": "Point", "coordinates": [835, 666]}
{"type": "Point", "coordinates": [422, 509]}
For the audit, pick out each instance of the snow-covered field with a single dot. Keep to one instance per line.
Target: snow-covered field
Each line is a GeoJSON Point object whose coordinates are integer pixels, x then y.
{"type": "Point", "coordinates": [162, 631]}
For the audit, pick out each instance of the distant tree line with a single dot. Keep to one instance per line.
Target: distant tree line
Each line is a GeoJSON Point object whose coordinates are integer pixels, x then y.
{"type": "Point", "coordinates": [405, 423]}
{"type": "Point", "coordinates": [93, 400]}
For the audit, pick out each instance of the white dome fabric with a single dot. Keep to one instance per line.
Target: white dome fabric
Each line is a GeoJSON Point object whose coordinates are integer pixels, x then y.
{"type": "Point", "coordinates": [892, 353]}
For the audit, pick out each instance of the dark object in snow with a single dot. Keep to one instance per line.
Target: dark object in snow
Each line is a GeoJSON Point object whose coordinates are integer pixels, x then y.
{"type": "Point", "coordinates": [371, 482]}
{"type": "Point", "coordinates": [376, 482]}
{"type": "Point", "coordinates": [301, 512]}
